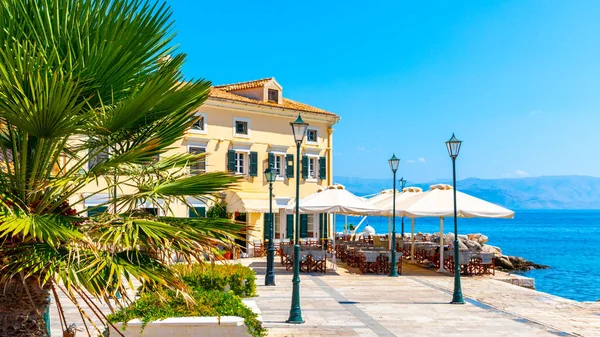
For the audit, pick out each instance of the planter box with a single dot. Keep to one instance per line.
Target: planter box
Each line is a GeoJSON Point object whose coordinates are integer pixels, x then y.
{"type": "Point", "coordinates": [226, 326]}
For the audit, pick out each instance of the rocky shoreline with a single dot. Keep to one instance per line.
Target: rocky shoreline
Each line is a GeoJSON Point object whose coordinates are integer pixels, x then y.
{"type": "Point", "coordinates": [477, 243]}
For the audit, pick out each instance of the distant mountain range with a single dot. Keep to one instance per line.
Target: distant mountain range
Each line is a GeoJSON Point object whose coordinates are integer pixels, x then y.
{"type": "Point", "coordinates": [551, 192]}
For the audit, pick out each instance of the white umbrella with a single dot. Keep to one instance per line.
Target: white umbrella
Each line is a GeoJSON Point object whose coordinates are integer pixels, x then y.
{"type": "Point", "coordinates": [334, 199]}
{"type": "Point", "coordinates": [439, 202]}
{"type": "Point", "coordinates": [386, 202]}
{"type": "Point", "coordinates": [383, 195]}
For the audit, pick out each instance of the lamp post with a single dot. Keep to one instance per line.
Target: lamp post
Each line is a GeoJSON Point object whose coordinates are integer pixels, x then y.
{"type": "Point", "coordinates": [299, 130]}
{"type": "Point", "coordinates": [453, 146]}
{"type": "Point", "coordinates": [270, 175]}
{"type": "Point", "coordinates": [402, 185]}
{"type": "Point", "coordinates": [394, 162]}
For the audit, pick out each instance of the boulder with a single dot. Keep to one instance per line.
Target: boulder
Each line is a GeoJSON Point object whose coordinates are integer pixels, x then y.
{"type": "Point", "coordinates": [491, 249]}
{"type": "Point", "coordinates": [462, 246]}
{"type": "Point", "coordinates": [462, 237]}
{"type": "Point", "coordinates": [473, 246]}
{"type": "Point", "coordinates": [503, 262]}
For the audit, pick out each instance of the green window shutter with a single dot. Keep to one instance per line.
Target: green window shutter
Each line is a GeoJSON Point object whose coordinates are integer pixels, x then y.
{"type": "Point", "coordinates": [93, 211]}
{"type": "Point", "coordinates": [289, 165]}
{"type": "Point", "coordinates": [289, 226]}
{"type": "Point", "coordinates": [267, 228]}
{"type": "Point", "coordinates": [253, 164]}
{"type": "Point", "coordinates": [323, 217]}
{"type": "Point", "coordinates": [303, 225]}
{"type": "Point", "coordinates": [231, 161]}
{"type": "Point", "coordinates": [322, 168]}
{"type": "Point", "coordinates": [271, 162]}
{"type": "Point", "coordinates": [197, 212]}
{"type": "Point", "coordinates": [304, 167]}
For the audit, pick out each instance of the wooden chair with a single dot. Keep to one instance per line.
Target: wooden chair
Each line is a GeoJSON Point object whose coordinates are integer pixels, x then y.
{"type": "Point", "coordinates": [257, 248]}
{"type": "Point", "coordinates": [319, 261]}
{"type": "Point", "coordinates": [370, 262]}
{"type": "Point", "coordinates": [488, 263]}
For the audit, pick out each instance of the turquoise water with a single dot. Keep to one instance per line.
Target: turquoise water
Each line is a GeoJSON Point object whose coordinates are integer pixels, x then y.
{"type": "Point", "coordinates": [567, 241]}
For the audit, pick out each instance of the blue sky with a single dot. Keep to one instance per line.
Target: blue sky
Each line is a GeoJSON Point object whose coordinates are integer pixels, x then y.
{"type": "Point", "coordinates": [517, 81]}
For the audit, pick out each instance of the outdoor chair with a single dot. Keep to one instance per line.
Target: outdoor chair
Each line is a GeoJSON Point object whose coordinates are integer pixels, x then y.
{"type": "Point", "coordinates": [464, 259]}
{"type": "Point", "coordinates": [487, 261]}
{"type": "Point", "coordinates": [319, 261]}
{"type": "Point", "coordinates": [287, 256]}
{"type": "Point", "coordinates": [370, 262]}
{"type": "Point", "coordinates": [387, 265]}
{"type": "Point", "coordinates": [305, 260]}
{"type": "Point", "coordinates": [257, 248]}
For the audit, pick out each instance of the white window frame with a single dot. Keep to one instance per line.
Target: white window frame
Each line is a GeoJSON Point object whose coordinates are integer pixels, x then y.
{"type": "Point", "coordinates": [314, 158]}
{"type": "Point", "coordinates": [312, 219]}
{"type": "Point", "coordinates": [203, 146]}
{"type": "Point", "coordinates": [312, 129]}
{"type": "Point", "coordinates": [241, 135]}
{"type": "Point", "coordinates": [246, 164]}
{"type": "Point", "coordinates": [277, 225]}
{"type": "Point", "coordinates": [203, 131]}
{"type": "Point", "coordinates": [282, 165]}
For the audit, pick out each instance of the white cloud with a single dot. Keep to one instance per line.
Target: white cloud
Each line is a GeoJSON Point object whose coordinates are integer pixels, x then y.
{"type": "Point", "coordinates": [516, 174]}
{"type": "Point", "coordinates": [421, 160]}
{"type": "Point", "coordinates": [368, 150]}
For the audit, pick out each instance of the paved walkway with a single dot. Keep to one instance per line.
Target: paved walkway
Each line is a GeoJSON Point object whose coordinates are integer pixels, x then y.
{"type": "Point", "coordinates": [347, 303]}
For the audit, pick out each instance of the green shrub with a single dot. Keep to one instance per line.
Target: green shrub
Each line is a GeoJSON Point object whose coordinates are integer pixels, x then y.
{"type": "Point", "coordinates": [150, 307]}
{"type": "Point", "coordinates": [239, 279]}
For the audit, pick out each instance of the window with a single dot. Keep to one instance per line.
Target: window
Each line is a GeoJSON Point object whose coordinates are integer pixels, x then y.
{"type": "Point", "coordinates": [277, 225]}
{"type": "Point", "coordinates": [240, 163]}
{"type": "Point", "coordinates": [197, 211]}
{"type": "Point", "coordinates": [312, 136]}
{"type": "Point", "coordinates": [273, 96]}
{"type": "Point", "coordinates": [279, 165]}
{"type": "Point", "coordinates": [199, 167]}
{"type": "Point", "coordinates": [200, 124]}
{"type": "Point", "coordinates": [96, 210]}
{"type": "Point", "coordinates": [97, 159]}
{"type": "Point", "coordinates": [151, 210]}
{"type": "Point", "coordinates": [241, 128]}
{"type": "Point", "coordinates": [312, 168]}
{"type": "Point", "coordinates": [311, 226]}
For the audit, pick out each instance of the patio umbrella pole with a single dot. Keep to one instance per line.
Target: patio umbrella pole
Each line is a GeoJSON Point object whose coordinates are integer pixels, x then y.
{"type": "Point", "coordinates": [442, 269]}
{"type": "Point", "coordinates": [412, 247]}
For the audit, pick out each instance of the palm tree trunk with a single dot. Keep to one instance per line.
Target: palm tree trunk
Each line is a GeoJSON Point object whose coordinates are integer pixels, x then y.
{"type": "Point", "coordinates": [21, 306]}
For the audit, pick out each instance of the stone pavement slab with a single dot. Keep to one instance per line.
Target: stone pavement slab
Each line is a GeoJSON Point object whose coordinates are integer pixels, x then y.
{"type": "Point", "coordinates": [347, 303]}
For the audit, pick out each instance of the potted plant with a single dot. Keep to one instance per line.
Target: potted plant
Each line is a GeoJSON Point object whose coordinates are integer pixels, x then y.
{"type": "Point", "coordinates": [352, 229]}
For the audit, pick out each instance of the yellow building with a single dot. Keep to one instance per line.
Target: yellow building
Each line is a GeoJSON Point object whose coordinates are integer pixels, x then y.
{"type": "Point", "coordinates": [242, 128]}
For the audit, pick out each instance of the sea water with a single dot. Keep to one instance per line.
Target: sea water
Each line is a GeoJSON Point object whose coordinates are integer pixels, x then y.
{"type": "Point", "coordinates": [567, 241]}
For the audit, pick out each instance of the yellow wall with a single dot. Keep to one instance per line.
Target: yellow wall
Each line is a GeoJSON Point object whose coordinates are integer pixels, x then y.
{"type": "Point", "coordinates": [269, 129]}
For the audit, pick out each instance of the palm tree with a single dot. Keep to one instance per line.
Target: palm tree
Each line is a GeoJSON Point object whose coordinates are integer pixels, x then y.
{"type": "Point", "coordinates": [79, 79]}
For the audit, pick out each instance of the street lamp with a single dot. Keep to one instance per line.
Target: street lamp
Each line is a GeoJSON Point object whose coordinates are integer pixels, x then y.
{"type": "Point", "coordinates": [270, 175]}
{"type": "Point", "coordinates": [299, 130]}
{"type": "Point", "coordinates": [453, 146]}
{"type": "Point", "coordinates": [402, 185]}
{"type": "Point", "coordinates": [394, 162]}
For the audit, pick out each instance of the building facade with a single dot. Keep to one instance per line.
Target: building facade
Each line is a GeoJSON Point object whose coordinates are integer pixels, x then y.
{"type": "Point", "coordinates": [245, 127]}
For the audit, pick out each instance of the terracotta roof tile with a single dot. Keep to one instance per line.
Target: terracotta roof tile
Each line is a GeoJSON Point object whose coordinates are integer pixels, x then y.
{"type": "Point", "coordinates": [244, 85]}
{"type": "Point", "coordinates": [218, 93]}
